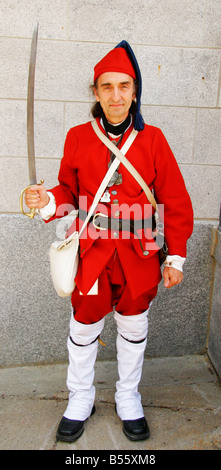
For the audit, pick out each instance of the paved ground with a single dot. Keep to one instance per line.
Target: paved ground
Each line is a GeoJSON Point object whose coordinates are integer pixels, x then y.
{"type": "Point", "coordinates": [181, 399]}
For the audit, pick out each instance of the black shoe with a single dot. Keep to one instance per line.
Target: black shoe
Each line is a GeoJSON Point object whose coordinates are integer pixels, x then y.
{"type": "Point", "coordinates": [136, 429]}
{"type": "Point", "coordinates": [69, 430]}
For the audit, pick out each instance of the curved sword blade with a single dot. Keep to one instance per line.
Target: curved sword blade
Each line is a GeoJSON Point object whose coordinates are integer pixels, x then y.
{"type": "Point", "coordinates": [30, 109]}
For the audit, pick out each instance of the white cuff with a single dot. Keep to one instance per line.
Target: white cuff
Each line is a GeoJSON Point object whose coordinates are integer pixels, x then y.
{"type": "Point", "coordinates": [49, 210]}
{"type": "Point", "coordinates": [175, 261]}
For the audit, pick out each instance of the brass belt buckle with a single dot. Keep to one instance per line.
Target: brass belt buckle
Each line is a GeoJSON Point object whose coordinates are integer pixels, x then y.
{"type": "Point", "coordinates": [94, 218]}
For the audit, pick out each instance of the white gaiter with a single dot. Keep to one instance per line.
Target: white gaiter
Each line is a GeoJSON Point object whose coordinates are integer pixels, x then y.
{"type": "Point", "coordinates": [82, 348]}
{"type": "Point", "coordinates": [131, 344]}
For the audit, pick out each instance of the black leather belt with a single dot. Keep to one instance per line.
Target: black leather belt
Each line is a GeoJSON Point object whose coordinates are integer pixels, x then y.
{"type": "Point", "coordinates": [103, 222]}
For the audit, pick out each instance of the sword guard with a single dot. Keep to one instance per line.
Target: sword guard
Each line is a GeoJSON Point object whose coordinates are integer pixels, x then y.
{"type": "Point", "coordinates": [32, 211]}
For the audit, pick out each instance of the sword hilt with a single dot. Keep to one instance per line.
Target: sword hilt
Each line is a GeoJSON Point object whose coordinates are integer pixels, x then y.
{"type": "Point", "coordinates": [32, 211]}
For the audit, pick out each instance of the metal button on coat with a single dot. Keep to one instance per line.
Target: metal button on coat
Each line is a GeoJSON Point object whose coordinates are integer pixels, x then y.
{"type": "Point", "coordinates": [115, 234]}
{"type": "Point", "coordinates": [145, 253]}
{"type": "Point", "coordinates": [115, 201]}
{"type": "Point", "coordinates": [117, 214]}
{"type": "Point", "coordinates": [114, 192]}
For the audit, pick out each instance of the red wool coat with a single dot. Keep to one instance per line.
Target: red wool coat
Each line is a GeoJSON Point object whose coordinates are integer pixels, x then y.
{"type": "Point", "coordinates": [84, 165]}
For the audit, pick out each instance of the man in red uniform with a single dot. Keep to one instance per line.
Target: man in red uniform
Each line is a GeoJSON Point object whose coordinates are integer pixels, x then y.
{"type": "Point", "coordinates": [119, 264]}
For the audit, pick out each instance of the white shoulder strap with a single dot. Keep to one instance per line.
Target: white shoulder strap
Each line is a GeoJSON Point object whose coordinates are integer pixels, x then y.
{"type": "Point", "coordinates": [107, 177]}
{"type": "Point", "coordinates": [120, 155]}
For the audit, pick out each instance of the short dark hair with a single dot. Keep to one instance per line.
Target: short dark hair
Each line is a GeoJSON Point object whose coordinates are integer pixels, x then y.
{"type": "Point", "coordinates": [96, 109]}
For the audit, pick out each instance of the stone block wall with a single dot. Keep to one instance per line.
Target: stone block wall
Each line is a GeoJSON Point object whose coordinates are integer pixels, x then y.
{"type": "Point", "coordinates": [177, 44]}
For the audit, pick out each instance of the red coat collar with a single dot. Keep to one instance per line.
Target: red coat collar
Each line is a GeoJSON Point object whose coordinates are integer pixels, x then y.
{"type": "Point", "coordinates": [126, 134]}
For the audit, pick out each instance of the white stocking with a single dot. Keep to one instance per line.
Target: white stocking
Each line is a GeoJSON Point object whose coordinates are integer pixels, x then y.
{"type": "Point", "coordinates": [82, 347]}
{"type": "Point", "coordinates": [131, 344]}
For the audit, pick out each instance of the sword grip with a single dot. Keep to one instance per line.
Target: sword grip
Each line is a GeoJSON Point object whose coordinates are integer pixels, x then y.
{"type": "Point", "coordinates": [32, 211]}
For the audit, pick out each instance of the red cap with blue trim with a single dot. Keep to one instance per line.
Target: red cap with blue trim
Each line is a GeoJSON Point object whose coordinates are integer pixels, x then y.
{"type": "Point", "coordinates": [122, 59]}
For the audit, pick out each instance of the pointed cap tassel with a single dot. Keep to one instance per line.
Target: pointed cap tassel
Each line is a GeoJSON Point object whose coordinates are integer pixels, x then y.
{"type": "Point", "coordinates": [138, 119]}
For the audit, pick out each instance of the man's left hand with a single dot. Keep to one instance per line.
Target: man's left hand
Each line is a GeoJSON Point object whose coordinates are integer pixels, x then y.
{"type": "Point", "coordinates": [172, 277]}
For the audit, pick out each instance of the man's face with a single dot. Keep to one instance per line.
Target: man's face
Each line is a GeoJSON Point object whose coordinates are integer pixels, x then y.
{"type": "Point", "coordinates": [115, 92]}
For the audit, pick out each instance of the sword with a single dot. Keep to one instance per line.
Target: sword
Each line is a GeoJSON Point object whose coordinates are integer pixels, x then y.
{"type": "Point", "coordinates": [30, 123]}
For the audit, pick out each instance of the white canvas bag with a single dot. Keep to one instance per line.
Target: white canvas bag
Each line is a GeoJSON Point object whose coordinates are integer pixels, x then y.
{"type": "Point", "coordinates": [64, 255]}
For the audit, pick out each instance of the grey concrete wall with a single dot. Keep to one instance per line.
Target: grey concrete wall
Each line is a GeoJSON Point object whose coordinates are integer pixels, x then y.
{"type": "Point", "coordinates": [177, 44]}
{"type": "Point", "coordinates": [214, 346]}
{"type": "Point", "coordinates": [34, 320]}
